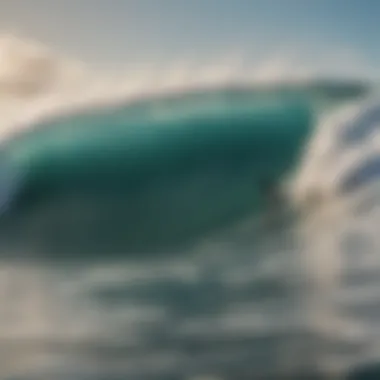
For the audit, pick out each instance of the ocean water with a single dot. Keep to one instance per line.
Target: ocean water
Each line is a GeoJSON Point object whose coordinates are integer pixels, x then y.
{"type": "Point", "coordinates": [148, 177]}
{"type": "Point", "coordinates": [251, 301]}
{"type": "Point", "coordinates": [296, 297]}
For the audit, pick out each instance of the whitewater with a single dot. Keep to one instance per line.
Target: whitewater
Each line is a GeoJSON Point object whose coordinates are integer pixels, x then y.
{"type": "Point", "coordinates": [297, 300]}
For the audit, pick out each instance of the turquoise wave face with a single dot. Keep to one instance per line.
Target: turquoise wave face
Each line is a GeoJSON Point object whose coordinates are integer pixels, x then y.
{"type": "Point", "coordinates": [153, 175]}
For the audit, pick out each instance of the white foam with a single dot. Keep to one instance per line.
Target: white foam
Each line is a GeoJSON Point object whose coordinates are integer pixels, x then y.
{"type": "Point", "coordinates": [36, 81]}
{"type": "Point", "coordinates": [340, 215]}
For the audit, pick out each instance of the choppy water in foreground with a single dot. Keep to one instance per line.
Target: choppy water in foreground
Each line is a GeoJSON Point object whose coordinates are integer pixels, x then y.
{"type": "Point", "coordinates": [269, 301]}
{"type": "Point", "coordinates": [230, 308]}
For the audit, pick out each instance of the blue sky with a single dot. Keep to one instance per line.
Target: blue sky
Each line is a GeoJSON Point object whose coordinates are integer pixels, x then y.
{"type": "Point", "coordinates": [115, 32]}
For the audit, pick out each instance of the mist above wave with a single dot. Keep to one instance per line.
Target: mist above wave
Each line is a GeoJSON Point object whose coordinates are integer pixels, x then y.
{"type": "Point", "coordinates": [36, 81]}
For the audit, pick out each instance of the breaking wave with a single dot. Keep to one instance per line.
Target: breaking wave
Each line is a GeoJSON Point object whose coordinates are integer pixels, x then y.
{"type": "Point", "coordinates": [308, 289]}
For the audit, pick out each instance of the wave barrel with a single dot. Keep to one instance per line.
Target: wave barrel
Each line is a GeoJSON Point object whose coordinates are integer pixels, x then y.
{"type": "Point", "coordinates": [151, 175]}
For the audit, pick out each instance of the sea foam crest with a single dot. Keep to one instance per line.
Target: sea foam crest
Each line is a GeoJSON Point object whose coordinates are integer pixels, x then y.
{"type": "Point", "coordinates": [37, 82]}
{"type": "Point", "coordinates": [343, 157]}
